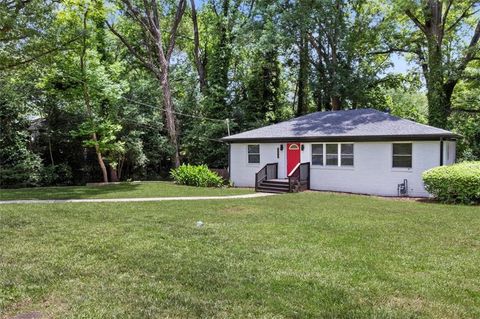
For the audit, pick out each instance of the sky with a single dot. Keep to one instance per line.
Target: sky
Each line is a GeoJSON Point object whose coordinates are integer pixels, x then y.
{"type": "Point", "coordinates": [400, 65]}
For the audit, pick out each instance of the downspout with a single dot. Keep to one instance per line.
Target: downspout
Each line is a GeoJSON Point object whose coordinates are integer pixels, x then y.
{"type": "Point", "coordinates": [229, 161]}
{"type": "Point", "coordinates": [441, 151]}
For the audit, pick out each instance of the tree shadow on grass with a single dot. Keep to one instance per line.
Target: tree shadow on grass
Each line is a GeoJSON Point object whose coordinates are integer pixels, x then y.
{"type": "Point", "coordinates": [70, 192]}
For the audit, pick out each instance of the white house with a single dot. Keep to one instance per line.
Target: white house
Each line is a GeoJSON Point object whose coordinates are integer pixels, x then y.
{"type": "Point", "coordinates": [359, 151]}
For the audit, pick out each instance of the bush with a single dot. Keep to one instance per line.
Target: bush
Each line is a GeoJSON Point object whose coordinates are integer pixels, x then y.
{"type": "Point", "coordinates": [23, 172]}
{"type": "Point", "coordinates": [56, 175]}
{"type": "Point", "coordinates": [196, 175]}
{"type": "Point", "coordinates": [458, 183]}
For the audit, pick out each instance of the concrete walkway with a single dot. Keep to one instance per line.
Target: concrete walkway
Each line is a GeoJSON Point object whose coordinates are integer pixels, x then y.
{"type": "Point", "coordinates": [128, 200]}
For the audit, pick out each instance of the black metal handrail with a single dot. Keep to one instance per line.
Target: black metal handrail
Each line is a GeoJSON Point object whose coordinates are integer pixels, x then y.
{"type": "Point", "coordinates": [269, 171]}
{"type": "Point", "coordinates": [299, 177]}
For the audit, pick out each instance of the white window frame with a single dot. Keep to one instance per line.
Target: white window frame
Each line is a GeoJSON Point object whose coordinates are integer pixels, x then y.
{"type": "Point", "coordinates": [259, 155]}
{"type": "Point", "coordinates": [323, 154]}
{"type": "Point", "coordinates": [392, 154]}
{"type": "Point", "coordinates": [339, 156]}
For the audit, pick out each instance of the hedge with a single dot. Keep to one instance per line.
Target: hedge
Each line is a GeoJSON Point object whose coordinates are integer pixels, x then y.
{"type": "Point", "coordinates": [196, 175]}
{"type": "Point", "coordinates": [458, 183]}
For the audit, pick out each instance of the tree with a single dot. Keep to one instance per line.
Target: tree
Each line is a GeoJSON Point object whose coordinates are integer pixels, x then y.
{"type": "Point", "coordinates": [264, 90]}
{"type": "Point", "coordinates": [439, 44]}
{"type": "Point", "coordinates": [303, 72]}
{"type": "Point", "coordinates": [264, 96]}
{"type": "Point", "coordinates": [465, 117]}
{"type": "Point", "coordinates": [154, 55]}
{"type": "Point", "coordinates": [19, 166]}
{"type": "Point", "coordinates": [85, 79]}
{"type": "Point", "coordinates": [24, 32]}
{"type": "Point", "coordinates": [334, 42]}
{"type": "Point", "coordinates": [92, 128]}
{"type": "Point", "coordinates": [200, 57]}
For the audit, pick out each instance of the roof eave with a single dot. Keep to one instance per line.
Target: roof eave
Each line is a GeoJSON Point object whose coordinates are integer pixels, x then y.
{"type": "Point", "coordinates": [366, 138]}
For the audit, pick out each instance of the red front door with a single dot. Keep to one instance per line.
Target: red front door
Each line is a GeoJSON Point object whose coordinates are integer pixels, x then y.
{"type": "Point", "coordinates": [293, 156]}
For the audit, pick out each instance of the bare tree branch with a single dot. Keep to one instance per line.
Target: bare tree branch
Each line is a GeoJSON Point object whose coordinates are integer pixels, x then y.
{"type": "Point", "coordinates": [317, 46]}
{"type": "Point", "coordinates": [445, 14]}
{"type": "Point", "coordinates": [415, 20]}
{"type": "Point", "coordinates": [135, 13]}
{"type": "Point", "coordinates": [149, 65]}
{"type": "Point", "coordinates": [472, 49]}
{"type": "Point", "coordinates": [466, 110]}
{"type": "Point", "coordinates": [392, 50]}
{"type": "Point", "coordinates": [196, 49]}
{"type": "Point", "coordinates": [173, 31]}
{"type": "Point", "coordinates": [464, 15]}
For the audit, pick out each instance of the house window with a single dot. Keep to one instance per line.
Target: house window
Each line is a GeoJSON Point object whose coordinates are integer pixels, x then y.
{"type": "Point", "coordinates": [402, 155]}
{"type": "Point", "coordinates": [346, 155]}
{"type": "Point", "coordinates": [317, 154]}
{"type": "Point", "coordinates": [254, 154]}
{"type": "Point", "coordinates": [331, 154]}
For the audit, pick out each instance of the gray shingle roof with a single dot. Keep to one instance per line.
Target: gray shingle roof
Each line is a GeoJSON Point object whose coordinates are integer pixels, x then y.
{"type": "Point", "coordinates": [360, 124]}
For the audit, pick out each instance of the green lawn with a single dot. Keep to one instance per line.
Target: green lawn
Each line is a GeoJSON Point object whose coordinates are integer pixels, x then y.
{"type": "Point", "coordinates": [296, 255]}
{"type": "Point", "coordinates": [151, 189]}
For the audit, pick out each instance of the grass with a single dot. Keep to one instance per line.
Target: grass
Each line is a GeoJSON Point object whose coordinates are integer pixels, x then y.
{"type": "Point", "coordinates": [124, 190]}
{"type": "Point", "coordinates": [296, 256]}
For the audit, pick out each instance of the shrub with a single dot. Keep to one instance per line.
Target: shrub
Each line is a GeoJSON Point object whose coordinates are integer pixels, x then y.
{"type": "Point", "coordinates": [196, 175]}
{"type": "Point", "coordinates": [60, 174]}
{"type": "Point", "coordinates": [458, 183]}
{"type": "Point", "coordinates": [23, 171]}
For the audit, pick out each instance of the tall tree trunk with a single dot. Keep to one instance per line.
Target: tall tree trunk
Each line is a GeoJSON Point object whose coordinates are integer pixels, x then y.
{"type": "Point", "coordinates": [196, 50]}
{"type": "Point", "coordinates": [302, 102]}
{"type": "Point", "coordinates": [335, 97]}
{"type": "Point", "coordinates": [113, 174]}
{"type": "Point", "coordinates": [438, 103]}
{"type": "Point", "coordinates": [103, 168]}
{"type": "Point", "coordinates": [50, 148]}
{"type": "Point", "coordinates": [170, 117]}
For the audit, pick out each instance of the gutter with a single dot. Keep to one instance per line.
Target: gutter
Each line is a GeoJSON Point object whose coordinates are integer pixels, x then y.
{"type": "Point", "coordinates": [431, 137]}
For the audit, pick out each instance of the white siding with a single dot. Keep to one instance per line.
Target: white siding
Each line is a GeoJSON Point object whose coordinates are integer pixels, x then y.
{"type": "Point", "coordinates": [243, 174]}
{"type": "Point", "coordinates": [449, 152]}
{"type": "Point", "coordinates": [372, 172]}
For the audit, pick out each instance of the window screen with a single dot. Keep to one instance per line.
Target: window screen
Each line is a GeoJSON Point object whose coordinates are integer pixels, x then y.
{"type": "Point", "coordinates": [402, 155]}
{"type": "Point", "coordinates": [254, 154]}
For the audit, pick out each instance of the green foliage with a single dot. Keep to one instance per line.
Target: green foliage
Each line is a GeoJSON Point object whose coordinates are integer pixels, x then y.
{"type": "Point", "coordinates": [196, 175]}
{"type": "Point", "coordinates": [458, 183]}
{"type": "Point", "coordinates": [406, 103]}
{"type": "Point", "coordinates": [22, 169]}
{"type": "Point", "coordinates": [442, 39]}
{"type": "Point", "coordinates": [106, 136]}
{"type": "Point", "coordinates": [262, 61]}
{"type": "Point", "coordinates": [264, 95]}
{"type": "Point", "coordinates": [19, 166]}
{"type": "Point", "coordinates": [465, 117]}
{"type": "Point", "coordinates": [56, 175]}
{"type": "Point", "coordinates": [23, 26]}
